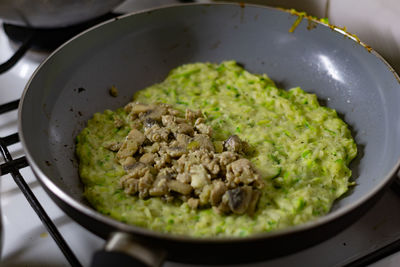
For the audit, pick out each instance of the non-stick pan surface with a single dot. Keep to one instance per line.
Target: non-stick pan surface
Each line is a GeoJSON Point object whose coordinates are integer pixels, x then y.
{"type": "Point", "coordinates": [138, 50]}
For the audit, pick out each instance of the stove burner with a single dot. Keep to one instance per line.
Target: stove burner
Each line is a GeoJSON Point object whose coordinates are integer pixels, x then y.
{"type": "Point", "coordinates": [46, 39]}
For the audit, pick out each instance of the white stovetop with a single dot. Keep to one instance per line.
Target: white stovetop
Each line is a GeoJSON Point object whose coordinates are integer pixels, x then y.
{"type": "Point", "coordinates": [27, 243]}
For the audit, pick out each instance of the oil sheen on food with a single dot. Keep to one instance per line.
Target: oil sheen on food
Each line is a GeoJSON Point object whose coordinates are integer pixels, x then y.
{"type": "Point", "coordinates": [302, 151]}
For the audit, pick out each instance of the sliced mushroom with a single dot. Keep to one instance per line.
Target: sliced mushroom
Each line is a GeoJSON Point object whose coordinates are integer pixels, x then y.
{"type": "Point", "coordinates": [179, 187]}
{"type": "Point", "coordinates": [138, 169]}
{"type": "Point", "coordinates": [136, 135]}
{"type": "Point", "coordinates": [217, 192]}
{"type": "Point", "coordinates": [173, 112]}
{"type": "Point", "coordinates": [241, 171]}
{"type": "Point", "coordinates": [155, 113]}
{"type": "Point", "coordinates": [204, 196]}
{"type": "Point", "coordinates": [233, 144]}
{"type": "Point", "coordinates": [193, 203]}
{"type": "Point", "coordinates": [153, 148]}
{"type": "Point", "coordinates": [128, 163]}
{"type": "Point", "coordinates": [183, 128]}
{"type": "Point", "coordinates": [148, 123]}
{"type": "Point", "coordinates": [112, 145]}
{"type": "Point", "coordinates": [204, 129]}
{"type": "Point", "coordinates": [159, 187]}
{"type": "Point", "coordinates": [183, 139]}
{"type": "Point", "coordinates": [200, 176]}
{"type": "Point", "coordinates": [157, 134]}
{"type": "Point", "coordinates": [127, 149]}
{"type": "Point", "coordinates": [131, 186]}
{"type": "Point", "coordinates": [177, 160]}
{"type": "Point", "coordinates": [239, 199]}
{"type": "Point", "coordinates": [145, 183]}
{"type": "Point", "coordinates": [227, 157]}
{"type": "Point", "coordinates": [168, 121]}
{"type": "Point", "coordinates": [191, 115]}
{"type": "Point", "coordinates": [176, 151]}
{"type": "Point", "coordinates": [137, 108]}
{"type": "Point", "coordinates": [203, 141]}
{"type": "Point", "coordinates": [212, 166]}
{"type": "Point", "coordinates": [162, 160]}
{"type": "Point", "coordinates": [223, 206]}
{"type": "Point", "coordinates": [184, 178]}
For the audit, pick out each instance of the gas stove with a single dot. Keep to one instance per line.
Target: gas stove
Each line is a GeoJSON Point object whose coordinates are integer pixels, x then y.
{"type": "Point", "coordinates": [27, 242]}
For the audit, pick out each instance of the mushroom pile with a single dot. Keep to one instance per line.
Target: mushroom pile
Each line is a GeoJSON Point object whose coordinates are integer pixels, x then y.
{"type": "Point", "coordinates": [173, 156]}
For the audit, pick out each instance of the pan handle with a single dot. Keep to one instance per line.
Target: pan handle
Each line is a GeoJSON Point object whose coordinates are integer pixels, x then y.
{"type": "Point", "coordinates": [122, 249]}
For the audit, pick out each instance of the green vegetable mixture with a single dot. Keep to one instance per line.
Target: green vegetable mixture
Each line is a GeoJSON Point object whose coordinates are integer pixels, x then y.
{"type": "Point", "coordinates": [301, 149]}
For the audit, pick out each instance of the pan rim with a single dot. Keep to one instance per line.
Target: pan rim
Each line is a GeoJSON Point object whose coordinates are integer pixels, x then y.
{"type": "Point", "coordinates": [132, 229]}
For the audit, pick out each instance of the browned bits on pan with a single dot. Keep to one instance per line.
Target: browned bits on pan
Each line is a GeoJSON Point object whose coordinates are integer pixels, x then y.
{"type": "Point", "coordinates": [113, 91]}
{"type": "Point", "coordinates": [172, 156]}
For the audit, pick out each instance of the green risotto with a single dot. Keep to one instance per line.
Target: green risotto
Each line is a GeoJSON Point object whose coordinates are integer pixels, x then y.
{"type": "Point", "coordinates": [300, 149]}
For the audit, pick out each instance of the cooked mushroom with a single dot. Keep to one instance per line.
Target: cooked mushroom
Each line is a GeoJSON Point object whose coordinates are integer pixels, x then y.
{"type": "Point", "coordinates": [147, 158]}
{"type": "Point", "coordinates": [176, 151]}
{"type": "Point", "coordinates": [145, 183]}
{"type": "Point", "coordinates": [157, 134]}
{"type": "Point", "coordinates": [227, 157]}
{"type": "Point", "coordinates": [137, 108]}
{"type": "Point", "coordinates": [175, 158]}
{"type": "Point", "coordinates": [183, 178]}
{"type": "Point", "coordinates": [153, 148]}
{"type": "Point", "coordinates": [112, 145]}
{"type": "Point", "coordinates": [159, 187]}
{"type": "Point", "coordinates": [239, 199]}
{"type": "Point", "coordinates": [193, 203]}
{"type": "Point", "coordinates": [128, 163]}
{"type": "Point", "coordinates": [217, 192]}
{"type": "Point", "coordinates": [162, 160]}
{"type": "Point", "coordinates": [191, 115]}
{"type": "Point", "coordinates": [204, 196]}
{"type": "Point", "coordinates": [203, 141]}
{"type": "Point", "coordinates": [204, 129]}
{"type": "Point", "coordinates": [127, 149]}
{"type": "Point", "coordinates": [138, 169]}
{"type": "Point", "coordinates": [183, 128]}
{"type": "Point", "coordinates": [200, 176]}
{"type": "Point", "coordinates": [131, 186]}
{"type": "Point", "coordinates": [183, 140]}
{"type": "Point", "coordinates": [234, 144]}
{"type": "Point", "coordinates": [149, 122]}
{"type": "Point", "coordinates": [179, 187]}
{"type": "Point", "coordinates": [241, 171]}
{"type": "Point", "coordinates": [154, 113]}
{"type": "Point", "coordinates": [168, 121]}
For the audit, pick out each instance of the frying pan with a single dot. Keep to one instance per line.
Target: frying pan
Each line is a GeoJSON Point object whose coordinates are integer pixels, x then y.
{"type": "Point", "coordinates": [137, 50]}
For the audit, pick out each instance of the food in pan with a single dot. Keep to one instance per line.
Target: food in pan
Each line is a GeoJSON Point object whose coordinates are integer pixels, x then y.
{"type": "Point", "coordinates": [216, 151]}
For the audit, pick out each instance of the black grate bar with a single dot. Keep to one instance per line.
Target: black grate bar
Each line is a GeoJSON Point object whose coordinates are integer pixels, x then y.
{"type": "Point", "coordinates": [18, 163]}
{"type": "Point", "coordinates": [396, 185]}
{"type": "Point", "coordinates": [11, 139]}
{"type": "Point", "coordinates": [18, 54]}
{"type": "Point", "coordinates": [23, 186]}
{"type": "Point", "coordinates": [9, 106]}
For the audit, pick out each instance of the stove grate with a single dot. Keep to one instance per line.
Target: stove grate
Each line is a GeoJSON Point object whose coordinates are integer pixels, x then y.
{"type": "Point", "coordinates": [13, 166]}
